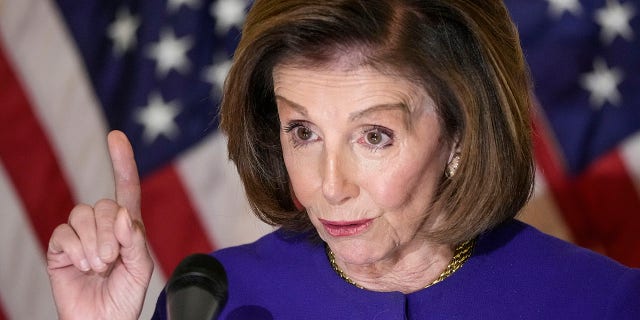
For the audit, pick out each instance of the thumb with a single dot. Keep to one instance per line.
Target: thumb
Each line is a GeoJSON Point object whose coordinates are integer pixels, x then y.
{"type": "Point", "coordinates": [133, 246]}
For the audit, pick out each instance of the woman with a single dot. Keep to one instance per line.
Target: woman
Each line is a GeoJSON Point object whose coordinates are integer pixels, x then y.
{"type": "Point", "coordinates": [390, 141]}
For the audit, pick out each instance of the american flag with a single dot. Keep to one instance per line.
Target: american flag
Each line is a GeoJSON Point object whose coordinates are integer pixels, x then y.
{"type": "Point", "coordinates": [585, 61]}
{"type": "Point", "coordinates": [72, 70]}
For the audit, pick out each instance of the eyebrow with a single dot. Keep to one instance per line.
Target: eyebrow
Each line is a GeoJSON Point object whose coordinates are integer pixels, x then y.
{"type": "Point", "coordinates": [297, 107]}
{"type": "Point", "coordinates": [382, 107]}
{"type": "Point", "coordinates": [358, 114]}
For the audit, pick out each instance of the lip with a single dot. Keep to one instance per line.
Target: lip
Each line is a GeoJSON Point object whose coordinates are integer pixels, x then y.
{"type": "Point", "coordinates": [346, 228]}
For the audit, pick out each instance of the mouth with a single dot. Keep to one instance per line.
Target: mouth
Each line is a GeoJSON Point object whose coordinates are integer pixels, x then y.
{"type": "Point", "coordinates": [346, 228]}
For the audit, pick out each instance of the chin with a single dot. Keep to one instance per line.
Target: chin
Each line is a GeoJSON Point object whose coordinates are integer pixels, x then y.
{"type": "Point", "coordinates": [356, 251]}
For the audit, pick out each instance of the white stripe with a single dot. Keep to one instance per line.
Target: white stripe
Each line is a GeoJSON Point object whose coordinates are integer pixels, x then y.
{"type": "Point", "coordinates": [155, 287]}
{"type": "Point", "coordinates": [213, 183]}
{"type": "Point", "coordinates": [49, 67]}
{"type": "Point", "coordinates": [630, 152]}
{"type": "Point", "coordinates": [24, 283]}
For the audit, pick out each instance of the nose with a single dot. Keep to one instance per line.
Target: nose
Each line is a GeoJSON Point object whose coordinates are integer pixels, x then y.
{"type": "Point", "coordinates": [338, 183]}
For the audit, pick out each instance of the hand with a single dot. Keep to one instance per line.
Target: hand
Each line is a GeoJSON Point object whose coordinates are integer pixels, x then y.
{"type": "Point", "coordinates": [98, 263]}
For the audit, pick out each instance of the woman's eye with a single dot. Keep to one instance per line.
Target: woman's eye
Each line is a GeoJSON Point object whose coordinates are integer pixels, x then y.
{"type": "Point", "coordinates": [299, 133]}
{"type": "Point", "coordinates": [377, 137]}
{"type": "Point", "coordinates": [303, 133]}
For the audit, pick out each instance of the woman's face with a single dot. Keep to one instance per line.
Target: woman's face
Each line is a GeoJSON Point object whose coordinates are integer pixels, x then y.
{"type": "Point", "coordinates": [364, 152]}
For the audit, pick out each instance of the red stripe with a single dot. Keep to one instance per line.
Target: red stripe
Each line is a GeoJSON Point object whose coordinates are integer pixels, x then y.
{"type": "Point", "coordinates": [614, 207]}
{"type": "Point", "coordinates": [174, 229]}
{"type": "Point", "coordinates": [3, 314]}
{"type": "Point", "coordinates": [29, 159]}
{"type": "Point", "coordinates": [601, 206]}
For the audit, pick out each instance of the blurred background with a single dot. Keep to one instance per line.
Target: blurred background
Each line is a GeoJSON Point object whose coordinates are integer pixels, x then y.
{"type": "Point", "coordinates": [72, 70]}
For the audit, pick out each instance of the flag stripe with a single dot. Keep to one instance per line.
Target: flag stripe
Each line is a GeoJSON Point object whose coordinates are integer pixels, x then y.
{"type": "Point", "coordinates": [24, 281]}
{"type": "Point", "coordinates": [175, 227]}
{"type": "Point", "coordinates": [608, 192]}
{"type": "Point", "coordinates": [25, 152]}
{"type": "Point", "coordinates": [211, 180]}
{"type": "Point", "coordinates": [2, 313]}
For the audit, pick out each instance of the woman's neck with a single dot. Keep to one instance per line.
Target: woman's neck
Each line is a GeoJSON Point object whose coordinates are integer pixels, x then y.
{"type": "Point", "coordinates": [408, 270]}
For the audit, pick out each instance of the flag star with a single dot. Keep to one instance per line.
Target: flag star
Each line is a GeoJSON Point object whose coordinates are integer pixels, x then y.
{"type": "Point", "coordinates": [122, 31]}
{"type": "Point", "coordinates": [217, 73]}
{"type": "Point", "coordinates": [171, 53]}
{"type": "Point", "coordinates": [158, 118]}
{"type": "Point", "coordinates": [614, 20]}
{"type": "Point", "coordinates": [174, 5]}
{"type": "Point", "coordinates": [558, 7]}
{"type": "Point", "coordinates": [603, 83]}
{"type": "Point", "coordinates": [228, 13]}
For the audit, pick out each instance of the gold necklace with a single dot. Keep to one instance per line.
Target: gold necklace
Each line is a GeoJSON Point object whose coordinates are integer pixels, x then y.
{"type": "Point", "coordinates": [460, 255]}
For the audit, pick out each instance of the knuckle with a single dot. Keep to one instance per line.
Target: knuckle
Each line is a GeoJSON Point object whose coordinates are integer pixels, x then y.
{"type": "Point", "coordinates": [59, 230]}
{"type": "Point", "coordinates": [106, 211]}
{"type": "Point", "coordinates": [80, 214]}
{"type": "Point", "coordinates": [106, 205]}
{"type": "Point", "coordinates": [56, 235]}
{"type": "Point", "coordinates": [63, 239]}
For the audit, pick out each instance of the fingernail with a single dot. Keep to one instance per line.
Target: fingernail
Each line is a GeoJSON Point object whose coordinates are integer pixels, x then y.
{"type": "Point", "coordinates": [105, 251]}
{"type": "Point", "coordinates": [84, 265]}
{"type": "Point", "coordinates": [97, 263]}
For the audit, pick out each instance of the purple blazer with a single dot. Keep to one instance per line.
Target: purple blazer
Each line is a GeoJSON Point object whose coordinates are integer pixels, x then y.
{"type": "Point", "coordinates": [515, 272]}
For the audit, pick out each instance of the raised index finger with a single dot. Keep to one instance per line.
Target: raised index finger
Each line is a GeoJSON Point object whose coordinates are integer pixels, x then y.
{"type": "Point", "coordinates": [125, 173]}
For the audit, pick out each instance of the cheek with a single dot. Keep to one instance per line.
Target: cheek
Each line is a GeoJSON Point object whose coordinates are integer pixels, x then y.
{"type": "Point", "coordinates": [391, 188]}
{"type": "Point", "coordinates": [404, 182]}
{"type": "Point", "coordinates": [301, 174]}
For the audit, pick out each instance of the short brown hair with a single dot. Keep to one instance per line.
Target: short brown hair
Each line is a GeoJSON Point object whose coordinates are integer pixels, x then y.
{"type": "Point", "coordinates": [465, 53]}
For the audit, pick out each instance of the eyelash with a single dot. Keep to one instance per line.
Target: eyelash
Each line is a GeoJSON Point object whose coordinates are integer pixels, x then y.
{"type": "Point", "coordinates": [290, 130]}
{"type": "Point", "coordinates": [291, 127]}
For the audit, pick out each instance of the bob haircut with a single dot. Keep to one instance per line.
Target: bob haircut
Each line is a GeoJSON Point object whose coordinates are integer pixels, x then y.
{"type": "Point", "coordinates": [466, 55]}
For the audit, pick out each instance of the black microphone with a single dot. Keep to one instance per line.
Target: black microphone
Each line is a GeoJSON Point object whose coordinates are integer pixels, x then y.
{"type": "Point", "coordinates": [197, 289]}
